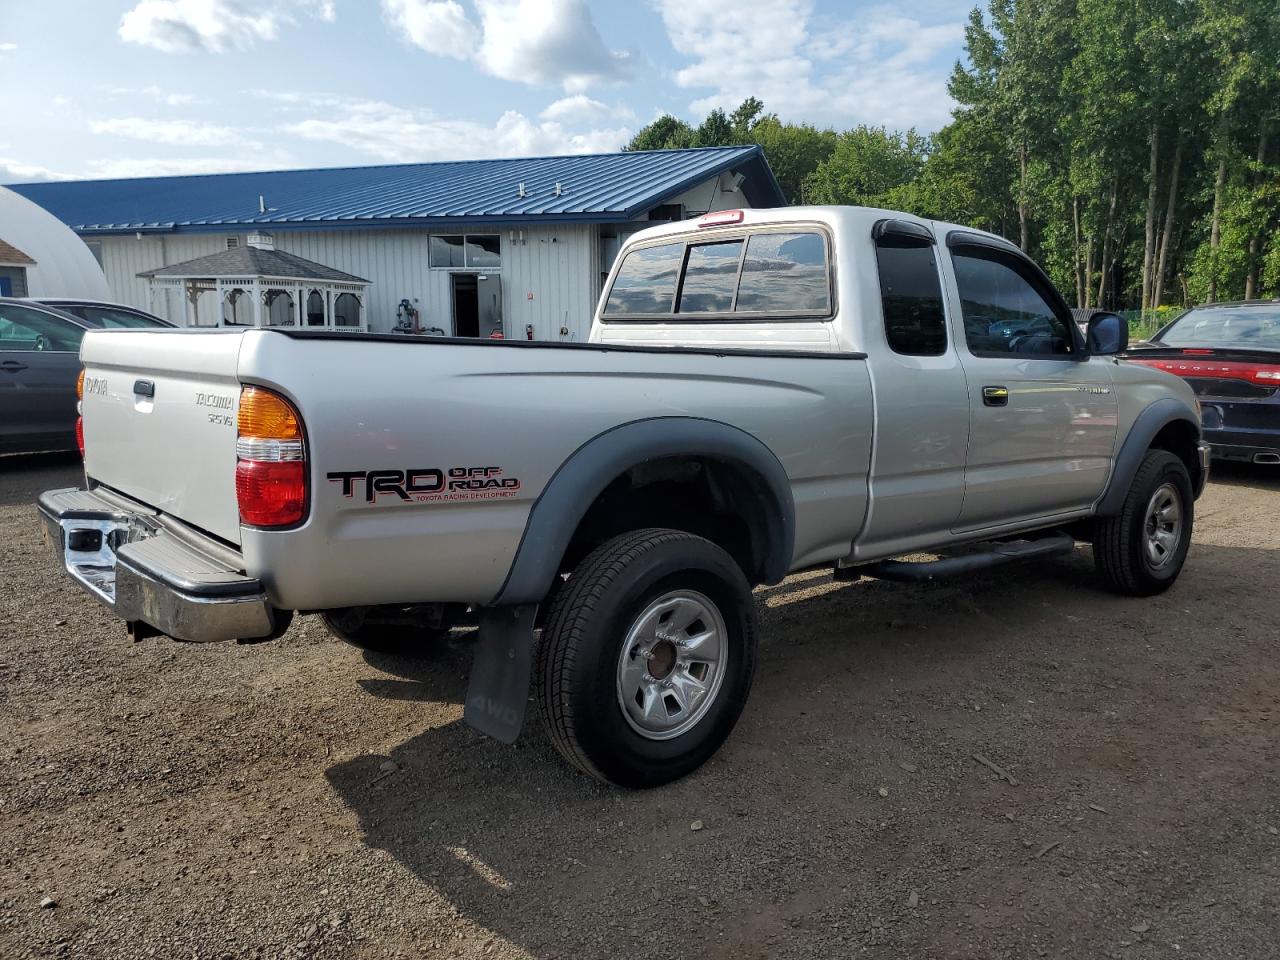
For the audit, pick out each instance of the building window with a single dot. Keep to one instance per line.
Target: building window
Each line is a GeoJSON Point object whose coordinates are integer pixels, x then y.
{"type": "Point", "coordinates": [471, 251]}
{"type": "Point", "coordinates": [233, 242]}
{"type": "Point", "coordinates": [13, 281]}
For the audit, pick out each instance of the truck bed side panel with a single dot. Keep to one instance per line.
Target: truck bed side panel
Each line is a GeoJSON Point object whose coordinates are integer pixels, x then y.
{"type": "Point", "coordinates": [513, 416]}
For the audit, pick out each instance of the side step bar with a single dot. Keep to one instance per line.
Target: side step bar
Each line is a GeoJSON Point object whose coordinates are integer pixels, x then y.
{"type": "Point", "coordinates": [994, 554]}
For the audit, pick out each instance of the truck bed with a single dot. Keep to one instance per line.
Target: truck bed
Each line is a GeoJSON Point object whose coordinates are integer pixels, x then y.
{"type": "Point", "coordinates": [514, 410]}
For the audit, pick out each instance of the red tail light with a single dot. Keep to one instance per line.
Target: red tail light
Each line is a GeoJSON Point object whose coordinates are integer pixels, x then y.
{"type": "Point", "coordinates": [271, 494]}
{"type": "Point", "coordinates": [80, 435]}
{"type": "Point", "coordinates": [1267, 374]}
{"type": "Point", "coordinates": [271, 460]}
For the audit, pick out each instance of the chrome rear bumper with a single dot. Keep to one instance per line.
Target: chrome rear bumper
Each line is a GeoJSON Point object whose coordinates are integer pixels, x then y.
{"type": "Point", "coordinates": [148, 570]}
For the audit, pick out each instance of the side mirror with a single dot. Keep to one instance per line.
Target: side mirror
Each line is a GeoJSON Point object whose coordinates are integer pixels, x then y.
{"type": "Point", "coordinates": [1107, 334]}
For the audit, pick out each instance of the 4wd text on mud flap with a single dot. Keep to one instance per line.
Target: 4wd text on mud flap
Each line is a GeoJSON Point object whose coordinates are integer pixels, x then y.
{"type": "Point", "coordinates": [427, 484]}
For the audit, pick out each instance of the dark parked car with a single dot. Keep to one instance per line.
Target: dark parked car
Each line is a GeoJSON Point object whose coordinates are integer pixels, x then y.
{"type": "Point", "coordinates": [1230, 354]}
{"type": "Point", "coordinates": [109, 315]}
{"type": "Point", "coordinates": [39, 364]}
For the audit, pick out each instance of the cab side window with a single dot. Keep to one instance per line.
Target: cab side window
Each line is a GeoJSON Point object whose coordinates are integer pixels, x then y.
{"type": "Point", "coordinates": [22, 329]}
{"type": "Point", "coordinates": [1004, 312]}
{"type": "Point", "coordinates": [911, 296]}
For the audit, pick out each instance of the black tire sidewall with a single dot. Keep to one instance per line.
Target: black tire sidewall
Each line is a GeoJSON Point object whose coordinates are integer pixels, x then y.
{"type": "Point", "coordinates": [603, 733]}
{"type": "Point", "coordinates": [1175, 472]}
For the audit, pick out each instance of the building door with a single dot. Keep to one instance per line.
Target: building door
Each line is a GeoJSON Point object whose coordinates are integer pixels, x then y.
{"type": "Point", "coordinates": [477, 304]}
{"type": "Point", "coordinates": [489, 295]}
{"type": "Point", "coordinates": [466, 305]}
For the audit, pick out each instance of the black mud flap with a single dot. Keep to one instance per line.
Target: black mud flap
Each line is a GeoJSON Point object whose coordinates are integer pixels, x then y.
{"type": "Point", "coordinates": [499, 689]}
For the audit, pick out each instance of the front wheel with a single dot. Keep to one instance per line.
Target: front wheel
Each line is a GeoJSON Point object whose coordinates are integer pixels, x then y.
{"type": "Point", "coordinates": [1141, 550]}
{"type": "Point", "coordinates": [646, 658]}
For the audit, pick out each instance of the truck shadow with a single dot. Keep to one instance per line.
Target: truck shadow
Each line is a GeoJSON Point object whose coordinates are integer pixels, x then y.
{"type": "Point", "coordinates": [1257, 475]}
{"type": "Point", "coordinates": [24, 476]}
{"type": "Point", "coordinates": [860, 687]}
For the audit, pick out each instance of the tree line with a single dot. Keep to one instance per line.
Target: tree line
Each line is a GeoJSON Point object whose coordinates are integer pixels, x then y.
{"type": "Point", "coordinates": [1129, 147]}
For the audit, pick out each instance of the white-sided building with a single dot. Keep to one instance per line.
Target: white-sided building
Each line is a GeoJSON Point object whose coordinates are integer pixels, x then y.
{"type": "Point", "coordinates": [40, 257]}
{"type": "Point", "coordinates": [518, 246]}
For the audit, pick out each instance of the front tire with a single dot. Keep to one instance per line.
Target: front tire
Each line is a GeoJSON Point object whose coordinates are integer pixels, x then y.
{"type": "Point", "coordinates": [1140, 551]}
{"type": "Point", "coordinates": [647, 657]}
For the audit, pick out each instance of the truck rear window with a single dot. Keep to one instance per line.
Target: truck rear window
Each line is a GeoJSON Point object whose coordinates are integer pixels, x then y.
{"type": "Point", "coordinates": [778, 274]}
{"type": "Point", "coordinates": [646, 281]}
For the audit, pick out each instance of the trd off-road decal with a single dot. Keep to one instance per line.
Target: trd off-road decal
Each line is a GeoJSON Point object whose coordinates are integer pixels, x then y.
{"type": "Point", "coordinates": [426, 484]}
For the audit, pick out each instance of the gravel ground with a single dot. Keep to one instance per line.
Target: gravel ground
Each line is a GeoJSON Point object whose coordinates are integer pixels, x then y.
{"type": "Point", "coordinates": [300, 799]}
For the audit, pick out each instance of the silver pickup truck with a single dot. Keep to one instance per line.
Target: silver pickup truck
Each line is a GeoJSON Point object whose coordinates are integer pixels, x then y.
{"type": "Point", "coordinates": [762, 392]}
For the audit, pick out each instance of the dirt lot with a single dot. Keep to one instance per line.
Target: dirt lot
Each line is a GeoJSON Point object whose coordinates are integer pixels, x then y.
{"type": "Point", "coordinates": [298, 798]}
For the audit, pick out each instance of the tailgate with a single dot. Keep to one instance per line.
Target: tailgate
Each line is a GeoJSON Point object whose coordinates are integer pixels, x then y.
{"type": "Point", "coordinates": [160, 421]}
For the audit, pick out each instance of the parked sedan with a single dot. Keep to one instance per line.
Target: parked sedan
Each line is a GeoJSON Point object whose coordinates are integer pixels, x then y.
{"type": "Point", "coordinates": [97, 313]}
{"type": "Point", "coordinates": [1230, 354]}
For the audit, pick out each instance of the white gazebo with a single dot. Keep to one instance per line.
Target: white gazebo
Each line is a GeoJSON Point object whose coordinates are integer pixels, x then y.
{"type": "Point", "coordinates": [259, 286]}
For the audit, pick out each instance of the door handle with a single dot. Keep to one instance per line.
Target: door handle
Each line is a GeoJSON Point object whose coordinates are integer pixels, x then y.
{"type": "Point", "coordinates": [13, 366]}
{"type": "Point", "coordinates": [995, 396]}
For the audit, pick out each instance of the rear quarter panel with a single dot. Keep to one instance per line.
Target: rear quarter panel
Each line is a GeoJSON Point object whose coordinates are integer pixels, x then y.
{"type": "Point", "coordinates": [373, 404]}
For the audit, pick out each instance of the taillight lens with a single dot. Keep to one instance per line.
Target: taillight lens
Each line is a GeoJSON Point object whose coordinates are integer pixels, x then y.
{"type": "Point", "coordinates": [80, 435]}
{"type": "Point", "coordinates": [1262, 373]}
{"type": "Point", "coordinates": [271, 460]}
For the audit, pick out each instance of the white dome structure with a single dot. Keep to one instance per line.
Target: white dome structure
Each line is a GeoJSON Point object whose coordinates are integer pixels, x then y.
{"type": "Point", "coordinates": [55, 261]}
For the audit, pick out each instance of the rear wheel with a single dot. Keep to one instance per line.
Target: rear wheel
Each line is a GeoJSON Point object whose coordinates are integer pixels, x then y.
{"type": "Point", "coordinates": [647, 656]}
{"type": "Point", "coordinates": [1140, 551]}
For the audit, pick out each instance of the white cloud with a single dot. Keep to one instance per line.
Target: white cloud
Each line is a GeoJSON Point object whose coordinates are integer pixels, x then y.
{"type": "Point", "coordinates": [125, 167]}
{"type": "Point", "coordinates": [168, 97]}
{"type": "Point", "coordinates": [438, 27]}
{"type": "Point", "coordinates": [15, 171]}
{"type": "Point", "coordinates": [397, 134]}
{"type": "Point", "coordinates": [873, 66]}
{"type": "Point", "coordinates": [179, 133]}
{"type": "Point", "coordinates": [551, 42]}
{"type": "Point", "coordinates": [8, 47]}
{"type": "Point", "coordinates": [212, 26]}
{"type": "Point", "coordinates": [580, 109]}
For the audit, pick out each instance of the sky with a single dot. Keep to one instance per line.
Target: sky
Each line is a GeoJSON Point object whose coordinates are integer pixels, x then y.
{"type": "Point", "coordinates": [127, 88]}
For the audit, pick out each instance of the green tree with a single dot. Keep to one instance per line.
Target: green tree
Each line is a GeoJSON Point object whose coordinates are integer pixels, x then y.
{"type": "Point", "coordinates": [665, 133]}
{"type": "Point", "coordinates": [870, 166]}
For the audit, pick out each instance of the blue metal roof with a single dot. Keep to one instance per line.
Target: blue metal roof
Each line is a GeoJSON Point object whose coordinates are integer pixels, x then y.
{"type": "Point", "coordinates": [594, 188]}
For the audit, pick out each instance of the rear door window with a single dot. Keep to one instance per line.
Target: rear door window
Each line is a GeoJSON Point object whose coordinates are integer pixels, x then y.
{"type": "Point", "coordinates": [646, 281]}
{"type": "Point", "coordinates": [30, 330]}
{"type": "Point", "coordinates": [911, 296]}
{"type": "Point", "coordinates": [785, 273]}
{"type": "Point", "coordinates": [116, 319]}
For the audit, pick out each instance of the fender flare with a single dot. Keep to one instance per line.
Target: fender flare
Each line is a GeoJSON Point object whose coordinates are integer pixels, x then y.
{"type": "Point", "coordinates": [1146, 425]}
{"type": "Point", "coordinates": [598, 462]}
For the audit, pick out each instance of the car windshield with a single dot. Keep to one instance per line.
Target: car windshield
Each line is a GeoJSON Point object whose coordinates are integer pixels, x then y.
{"type": "Point", "coordinates": [1242, 328]}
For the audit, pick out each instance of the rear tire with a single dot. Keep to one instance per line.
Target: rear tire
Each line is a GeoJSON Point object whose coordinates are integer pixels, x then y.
{"type": "Point", "coordinates": [647, 657]}
{"type": "Point", "coordinates": [384, 630]}
{"type": "Point", "coordinates": [1140, 551]}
